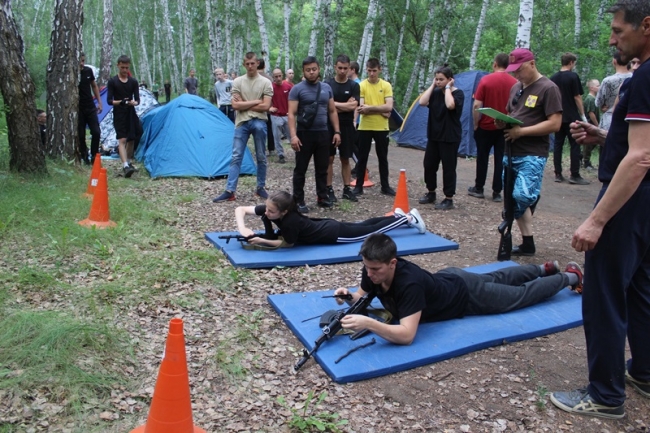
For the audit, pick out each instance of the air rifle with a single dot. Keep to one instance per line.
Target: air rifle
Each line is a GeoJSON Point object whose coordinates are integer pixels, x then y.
{"type": "Point", "coordinates": [505, 228]}
{"type": "Point", "coordinates": [334, 326]}
{"type": "Point", "coordinates": [240, 238]}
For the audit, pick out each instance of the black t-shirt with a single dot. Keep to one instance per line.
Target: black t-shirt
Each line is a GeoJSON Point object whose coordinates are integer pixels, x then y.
{"type": "Point", "coordinates": [440, 296]}
{"type": "Point", "coordinates": [444, 124]}
{"type": "Point", "coordinates": [296, 228]}
{"type": "Point", "coordinates": [117, 91]}
{"type": "Point", "coordinates": [168, 88]}
{"type": "Point", "coordinates": [569, 84]}
{"type": "Point", "coordinates": [86, 78]}
{"type": "Point", "coordinates": [342, 93]}
{"type": "Point", "coordinates": [633, 105]}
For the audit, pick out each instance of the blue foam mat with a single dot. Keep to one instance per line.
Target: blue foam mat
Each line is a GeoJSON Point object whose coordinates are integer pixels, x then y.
{"type": "Point", "coordinates": [408, 241]}
{"type": "Point", "coordinates": [434, 341]}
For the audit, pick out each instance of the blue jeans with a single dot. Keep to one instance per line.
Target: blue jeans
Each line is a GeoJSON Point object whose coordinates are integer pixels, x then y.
{"type": "Point", "coordinates": [257, 127]}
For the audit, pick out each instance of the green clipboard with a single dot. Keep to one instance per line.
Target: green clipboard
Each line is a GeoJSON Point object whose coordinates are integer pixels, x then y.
{"type": "Point", "coordinates": [491, 112]}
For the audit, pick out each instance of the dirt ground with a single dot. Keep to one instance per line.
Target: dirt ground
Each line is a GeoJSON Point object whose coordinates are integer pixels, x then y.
{"type": "Point", "coordinates": [498, 389]}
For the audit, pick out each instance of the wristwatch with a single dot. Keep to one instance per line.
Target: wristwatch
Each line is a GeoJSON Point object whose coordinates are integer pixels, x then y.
{"type": "Point", "coordinates": [337, 132]}
{"type": "Point", "coordinates": [447, 87]}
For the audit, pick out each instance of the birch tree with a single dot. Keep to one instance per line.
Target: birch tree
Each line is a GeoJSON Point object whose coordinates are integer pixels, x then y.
{"type": "Point", "coordinates": [366, 38]}
{"type": "Point", "coordinates": [107, 44]}
{"type": "Point", "coordinates": [578, 22]}
{"type": "Point", "coordinates": [400, 44]}
{"type": "Point", "coordinates": [18, 92]}
{"type": "Point", "coordinates": [263, 34]}
{"type": "Point", "coordinates": [143, 58]}
{"type": "Point", "coordinates": [286, 12]}
{"type": "Point", "coordinates": [328, 41]}
{"type": "Point", "coordinates": [315, 27]}
{"type": "Point", "coordinates": [383, 57]}
{"type": "Point", "coordinates": [171, 51]}
{"type": "Point", "coordinates": [477, 35]}
{"type": "Point", "coordinates": [524, 24]}
{"type": "Point", "coordinates": [229, 40]}
{"type": "Point", "coordinates": [187, 56]}
{"type": "Point", "coordinates": [211, 35]}
{"type": "Point", "coordinates": [419, 61]}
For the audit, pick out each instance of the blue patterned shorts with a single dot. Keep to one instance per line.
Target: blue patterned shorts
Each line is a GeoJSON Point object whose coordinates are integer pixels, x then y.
{"type": "Point", "coordinates": [529, 172]}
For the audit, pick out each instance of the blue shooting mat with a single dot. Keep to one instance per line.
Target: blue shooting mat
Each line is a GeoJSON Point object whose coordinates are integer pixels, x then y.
{"type": "Point", "coordinates": [408, 241]}
{"type": "Point", "coordinates": [434, 341]}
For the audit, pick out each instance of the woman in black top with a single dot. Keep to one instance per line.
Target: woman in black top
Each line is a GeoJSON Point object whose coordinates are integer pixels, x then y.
{"type": "Point", "coordinates": [445, 102]}
{"type": "Point", "coordinates": [280, 209]}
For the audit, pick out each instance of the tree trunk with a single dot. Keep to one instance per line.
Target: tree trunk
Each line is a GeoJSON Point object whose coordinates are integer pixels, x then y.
{"type": "Point", "coordinates": [107, 44]}
{"type": "Point", "coordinates": [145, 72]}
{"type": "Point", "coordinates": [211, 34]}
{"type": "Point", "coordinates": [285, 38]}
{"type": "Point", "coordinates": [578, 22]}
{"type": "Point", "coordinates": [525, 24]}
{"type": "Point", "coordinates": [63, 80]}
{"type": "Point", "coordinates": [400, 44]}
{"type": "Point", "coordinates": [230, 19]}
{"type": "Point", "coordinates": [366, 39]}
{"type": "Point", "coordinates": [171, 51]}
{"type": "Point", "coordinates": [25, 154]}
{"type": "Point", "coordinates": [328, 41]}
{"type": "Point", "coordinates": [315, 27]}
{"type": "Point", "coordinates": [383, 57]}
{"type": "Point", "coordinates": [263, 35]}
{"type": "Point", "coordinates": [420, 60]}
{"type": "Point", "coordinates": [477, 35]}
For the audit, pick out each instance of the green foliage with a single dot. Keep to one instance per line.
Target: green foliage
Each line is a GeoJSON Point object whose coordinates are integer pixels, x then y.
{"type": "Point", "coordinates": [308, 420]}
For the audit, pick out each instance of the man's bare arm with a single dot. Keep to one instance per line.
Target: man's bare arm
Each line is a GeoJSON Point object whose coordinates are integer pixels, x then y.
{"type": "Point", "coordinates": [475, 114]}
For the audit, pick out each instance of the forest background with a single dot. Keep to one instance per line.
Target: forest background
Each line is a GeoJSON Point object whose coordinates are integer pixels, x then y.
{"type": "Point", "coordinates": [166, 38]}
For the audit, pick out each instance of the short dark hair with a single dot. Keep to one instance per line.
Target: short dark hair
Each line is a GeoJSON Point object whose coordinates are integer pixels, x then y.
{"type": "Point", "coordinates": [355, 67]}
{"type": "Point", "coordinates": [342, 58]}
{"type": "Point", "coordinates": [568, 58]}
{"type": "Point", "coordinates": [39, 112]}
{"type": "Point", "coordinates": [634, 11]}
{"type": "Point", "coordinates": [445, 70]}
{"type": "Point", "coordinates": [378, 247]}
{"type": "Point", "coordinates": [283, 201]}
{"type": "Point", "coordinates": [261, 65]}
{"type": "Point", "coordinates": [373, 63]}
{"type": "Point", "coordinates": [309, 60]}
{"type": "Point", "coordinates": [82, 54]}
{"type": "Point", "coordinates": [250, 55]}
{"type": "Point", "coordinates": [502, 60]}
{"type": "Point", "coordinates": [124, 59]}
{"type": "Point", "coordinates": [617, 59]}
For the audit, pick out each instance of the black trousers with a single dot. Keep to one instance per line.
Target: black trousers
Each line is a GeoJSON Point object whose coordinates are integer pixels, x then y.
{"type": "Point", "coordinates": [576, 155]}
{"type": "Point", "coordinates": [88, 116]}
{"type": "Point", "coordinates": [447, 153]}
{"type": "Point", "coordinates": [316, 143]}
{"type": "Point", "coordinates": [270, 141]}
{"type": "Point", "coordinates": [485, 141]}
{"type": "Point", "coordinates": [381, 147]}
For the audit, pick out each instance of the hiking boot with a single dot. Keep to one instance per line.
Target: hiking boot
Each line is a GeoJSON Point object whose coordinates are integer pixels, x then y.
{"type": "Point", "coordinates": [427, 198]}
{"type": "Point", "coordinates": [261, 192]}
{"type": "Point", "coordinates": [348, 194]}
{"type": "Point", "coordinates": [642, 387]}
{"type": "Point", "coordinates": [282, 159]}
{"type": "Point", "coordinates": [574, 268]}
{"type": "Point", "coordinates": [475, 192]}
{"type": "Point", "coordinates": [551, 268]}
{"type": "Point", "coordinates": [128, 171]}
{"type": "Point", "coordinates": [580, 402]}
{"type": "Point", "coordinates": [302, 208]}
{"type": "Point", "coordinates": [225, 196]}
{"type": "Point", "coordinates": [446, 204]}
{"type": "Point", "coordinates": [324, 203]}
{"type": "Point", "coordinates": [358, 190]}
{"type": "Point", "coordinates": [559, 178]}
{"type": "Point", "coordinates": [330, 195]}
{"type": "Point", "coordinates": [416, 221]}
{"type": "Point", "coordinates": [523, 250]}
{"type": "Point", "coordinates": [496, 197]}
{"type": "Point", "coordinates": [388, 191]}
{"type": "Point", "coordinates": [578, 180]}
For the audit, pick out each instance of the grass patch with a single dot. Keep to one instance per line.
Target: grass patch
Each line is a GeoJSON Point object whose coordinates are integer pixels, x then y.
{"type": "Point", "coordinates": [305, 418]}
{"type": "Point", "coordinates": [68, 360]}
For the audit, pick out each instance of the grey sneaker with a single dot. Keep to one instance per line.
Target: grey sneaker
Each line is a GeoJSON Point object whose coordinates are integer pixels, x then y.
{"type": "Point", "coordinates": [580, 402]}
{"type": "Point", "coordinates": [302, 208]}
{"type": "Point", "coordinates": [642, 387]}
{"type": "Point", "coordinates": [416, 221]}
{"type": "Point", "coordinates": [578, 180]}
{"type": "Point", "coordinates": [475, 192]}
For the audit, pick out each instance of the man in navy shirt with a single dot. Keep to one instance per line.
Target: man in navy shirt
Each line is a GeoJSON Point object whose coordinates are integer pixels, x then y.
{"type": "Point", "coordinates": [616, 236]}
{"type": "Point", "coordinates": [88, 111]}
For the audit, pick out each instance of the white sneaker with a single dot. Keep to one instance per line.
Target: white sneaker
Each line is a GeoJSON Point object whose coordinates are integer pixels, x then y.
{"type": "Point", "coordinates": [399, 212]}
{"type": "Point", "coordinates": [417, 221]}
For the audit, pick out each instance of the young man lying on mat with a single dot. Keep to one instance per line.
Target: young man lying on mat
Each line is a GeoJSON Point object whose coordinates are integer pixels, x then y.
{"type": "Point", "coordinates": [413, 295]}
{"type": "Point", "coordinates": [280, 209]}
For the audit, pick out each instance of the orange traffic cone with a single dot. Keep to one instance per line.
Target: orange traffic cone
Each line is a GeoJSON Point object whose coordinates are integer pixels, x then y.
{"type": "Point", "coordinates": [100, 215]}
{"type": "Point", "coordinates": [94, 176]}
{"type": "Point", "coordinates": [402, 196]}
{"type": "Point", "coordinates": [171, 408]}
{"type": "Point", "coordinates": [366, 181]}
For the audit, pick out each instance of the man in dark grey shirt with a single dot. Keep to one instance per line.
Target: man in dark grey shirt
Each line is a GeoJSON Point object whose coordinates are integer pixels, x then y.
{"type": "Point", "coordinates": [191, 83]}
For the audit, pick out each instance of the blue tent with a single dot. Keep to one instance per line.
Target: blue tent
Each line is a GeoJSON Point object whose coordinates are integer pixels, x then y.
{"type": "Point", "coordinates": [413, 132]}
{"type": "Point", "coordinates": [189, 137]}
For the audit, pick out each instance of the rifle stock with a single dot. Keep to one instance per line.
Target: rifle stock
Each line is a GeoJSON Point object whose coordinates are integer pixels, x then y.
{"type": "Point", "coordinates": [505, 228]}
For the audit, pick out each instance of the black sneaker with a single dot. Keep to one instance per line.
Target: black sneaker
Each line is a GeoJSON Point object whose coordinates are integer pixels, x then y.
{"type": "Point", "coordinates": [358, 190]}
{"type": "Point", "coordinates": [523, 250]}
{"type": "Point", "coordinates": [475, 192]}
{"type": "Point", "coordinates": [427, 198]}
{"type": "Point", "coordinates": [128, 171]}
{"type": "Point", "coordinates": [282, 159]}
{"type": "Point", "coordinates": [348, 194]}
{"type": "Point", "coordinates": [559, 178]}
{"type": "Point", "coordinates": [642, 387]}
{"type": "Point", "coordinates": [496, 197]}
{"type": "Point", "coordinates": [446, 204]}
{"type": "Point", "coordinates": [302, 208]}
{"type": "Point", "coordinates": [388, 191]}
{"type": "Point", "coordinates": [330, 195]}
{"type": "Point", "coordinates": [578, 180]}
{"type": "Point", "coordinates": [324, 203]}
{"type": "Point", "coordinates": [133, 166]}
{"type": "Point", "coordinates": [580, 402]}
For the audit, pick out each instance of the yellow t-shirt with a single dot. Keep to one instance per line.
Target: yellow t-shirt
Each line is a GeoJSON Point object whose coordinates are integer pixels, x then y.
{"type": "Point", "coordinates": [374, 94]}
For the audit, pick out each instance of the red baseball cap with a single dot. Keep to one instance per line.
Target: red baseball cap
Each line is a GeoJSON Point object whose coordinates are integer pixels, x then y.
{"type": "Point", "coordinates": [519, 57]}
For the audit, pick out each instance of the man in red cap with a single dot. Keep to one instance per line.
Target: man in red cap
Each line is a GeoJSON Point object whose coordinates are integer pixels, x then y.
{"type": "Point", "coordinates": [536, 101]}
